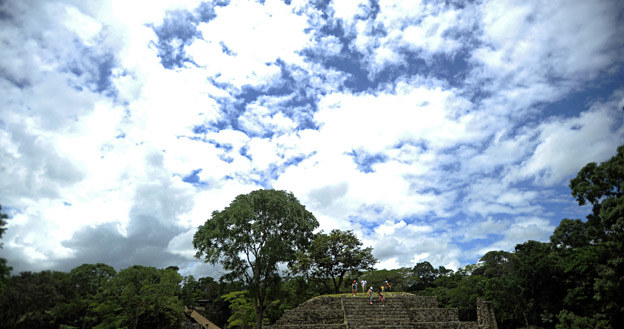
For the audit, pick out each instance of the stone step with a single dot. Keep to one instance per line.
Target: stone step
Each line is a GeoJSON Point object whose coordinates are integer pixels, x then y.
{"type": "Point", "coordinates": [445, 325]}
{"type": "Point", "coordinates": [368, 306]}
{"type": "Point", "coordinates": [388, 323]}
{"type": "Point", "coordinates": [379, 313]}
{"type": "Point", "coordinates": [373, 310]}
{"type": "Point", "coordinates": [434, 315]}
{"type": "Point", "coordinates": [304, 320]}
{"type": "Point", "coordinates": [366, 301]}
{"type": "Point", "coordinates": [409, 302]}
{"type": "Point", "coordinates": [376, 311]}
{"type": "Point", "coordinates": [307, 326]}
{"type": "Point", "coordinates": [377, 326]}
{"type": "Point", "coordinates": [302, 316]}
{"type": "Point", "coordinates": [313, 312]}
{"type": "Point", "coordinates": [399, 312]}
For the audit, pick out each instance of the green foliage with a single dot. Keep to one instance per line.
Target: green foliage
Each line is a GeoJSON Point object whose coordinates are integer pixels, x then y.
{"type": "Point", "coordinates": [243, 311]}
{"type": "Point", "coordinates": [210, 291]}
{"type": "Point", "coordinates": [140, 297]}
{"type": "Point", "coordinates": [425, 275]}
{"type": "Point", "coordinates": [252, 236]}
{"type": "Point", "coordinates": [29, 296]}
{"type": "Point", "coordinates": [603, 187]}
{"type": "Point", "coordinates": [571, 234]}
{"type": "Point", "coordinates": [89, 278]}
{"type": "Point", "coordinates": [569, 320]}
{"type": "Point", "coordinates": [293, 291]}
{"type": "Point", "coordinates": [86, 281]}
{"type": "Point", "coordinates": [190, 294]}
{"type": "Point", "coordinates": [3, 218]}
{"type": "Point", "coordinates": [493, 264]}
{"type": "Point", "coordinates": [400, 279]}
{"type": "Point", "coordinates": [95, 296]}
{"type": "Point", "coordinates": [332, 256]}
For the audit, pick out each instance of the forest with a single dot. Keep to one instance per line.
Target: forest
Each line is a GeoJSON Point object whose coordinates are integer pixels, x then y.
{"type": "Point", "coordinates": [574, 280]}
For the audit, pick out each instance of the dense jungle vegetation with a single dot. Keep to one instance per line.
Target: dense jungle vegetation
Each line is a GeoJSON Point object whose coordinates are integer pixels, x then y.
{"type": "Point", "coordinates": [575, 280]}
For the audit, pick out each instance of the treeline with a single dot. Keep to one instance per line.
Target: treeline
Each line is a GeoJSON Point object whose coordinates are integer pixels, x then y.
{"type": "Point", "coordinates": [97, 296]}
{"type": "Point", "coordinates": [93, 296]}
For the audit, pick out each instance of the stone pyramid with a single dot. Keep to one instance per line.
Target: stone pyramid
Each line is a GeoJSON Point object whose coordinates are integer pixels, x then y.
{"type": "Point", "coordinates": [402, 311]}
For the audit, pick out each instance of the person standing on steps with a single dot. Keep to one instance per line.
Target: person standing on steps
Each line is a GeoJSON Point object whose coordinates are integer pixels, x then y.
{"type": "Point", "coordinates": [370, 295]}
{"type": "Point", "coordinates": [354, 289]}
{"type": "Point", "coordinates": [364, 285]}
{"type": "Point", "coordinates": [388, 287]}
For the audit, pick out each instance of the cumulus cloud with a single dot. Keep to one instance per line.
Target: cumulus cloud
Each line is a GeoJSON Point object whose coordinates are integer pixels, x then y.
{"type": "Point", "coordinates": [566, 144]}
{"type": "Point", "coordinates": [434, 131]}
{"type": "Point", "coordinates": [535, 52]}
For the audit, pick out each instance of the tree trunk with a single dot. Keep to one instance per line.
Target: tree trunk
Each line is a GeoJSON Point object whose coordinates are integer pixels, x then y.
{"type": "Point", "coordinates": [259, 311]}
{"type": "Point", "coordinates": [526, 320]}
{"type": "Point", "coordinates": [340, 280]}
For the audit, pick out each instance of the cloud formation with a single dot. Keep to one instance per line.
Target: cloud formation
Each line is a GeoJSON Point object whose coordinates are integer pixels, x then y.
{"type": "Point", "coordinates": [434, 131]}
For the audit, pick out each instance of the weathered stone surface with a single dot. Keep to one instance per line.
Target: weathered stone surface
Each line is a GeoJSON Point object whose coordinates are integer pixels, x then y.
{"type": "Point", "coordinates": [402, 311]}
{"type": "Point", "coordinates": [326, 310]}
{"type": "Point", "coordinates": [485, 315]}
{"type": "Point", "coordinates": [413, 301]}
{"type": "Point", "coordinates": [434, 314]}
{"type": "Point", "coordinates": [445, 325]}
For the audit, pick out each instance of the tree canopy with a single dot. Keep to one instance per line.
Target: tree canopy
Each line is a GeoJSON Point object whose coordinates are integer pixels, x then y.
{"type": "Point", "coordinates": [253, 235]}
{"type": "Point", "coordinates": [140, 297]}
{"type": "Point", "coordinates": [603, 187]}
{"type": "Point", "coordinates": [332, 256]}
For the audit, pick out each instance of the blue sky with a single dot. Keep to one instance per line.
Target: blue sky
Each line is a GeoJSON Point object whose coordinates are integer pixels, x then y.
{"type": "Point", "coordinates": [434, 130]}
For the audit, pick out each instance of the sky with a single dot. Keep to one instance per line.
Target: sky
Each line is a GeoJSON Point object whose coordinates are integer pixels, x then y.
{"type": "Point", "coordinates": [434, 130]}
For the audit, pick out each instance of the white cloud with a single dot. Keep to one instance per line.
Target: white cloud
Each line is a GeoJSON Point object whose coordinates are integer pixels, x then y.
{"type": "Point", "coordinates": [415, 113]}
{"type": "Point", "coordinates": [521, 230]}
{"type": "Point", "coordinates": [259, 120]}
{"type": "Point", "coordinates": [536, 52]}
{"type": "Point", "coordinates": [415, 166]}
{"type": "Point", "coordinates": [422, 29]}
{"type": "Point", "coordinates": [564, 145]}
{"type": "Point", "coordinates": [481, 230]}
{"type": "Point", "coordinates": [256, 36]}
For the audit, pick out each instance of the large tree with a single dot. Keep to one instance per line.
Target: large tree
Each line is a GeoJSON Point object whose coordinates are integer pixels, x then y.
{"type": "Point", "coordinates": [252, 236]}
{"type": "Point", "coordinates": [332, 256]}
{"type": "Point", "coordinates": [603, 187]}
{"type": "Point", "coordinates": [426, 274]}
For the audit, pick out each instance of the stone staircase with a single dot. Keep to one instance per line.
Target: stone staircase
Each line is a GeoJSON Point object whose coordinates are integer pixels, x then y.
{"type": "Point", "coordinates": [316, 313]}
{"type": "Point", "coordinates": [391, 314]}
{"type": "Point", "coordinates": [404, 311]}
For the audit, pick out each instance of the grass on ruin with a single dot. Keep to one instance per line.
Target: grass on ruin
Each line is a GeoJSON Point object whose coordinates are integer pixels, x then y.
{"type": "Point", "coordinates": [363, 295]}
